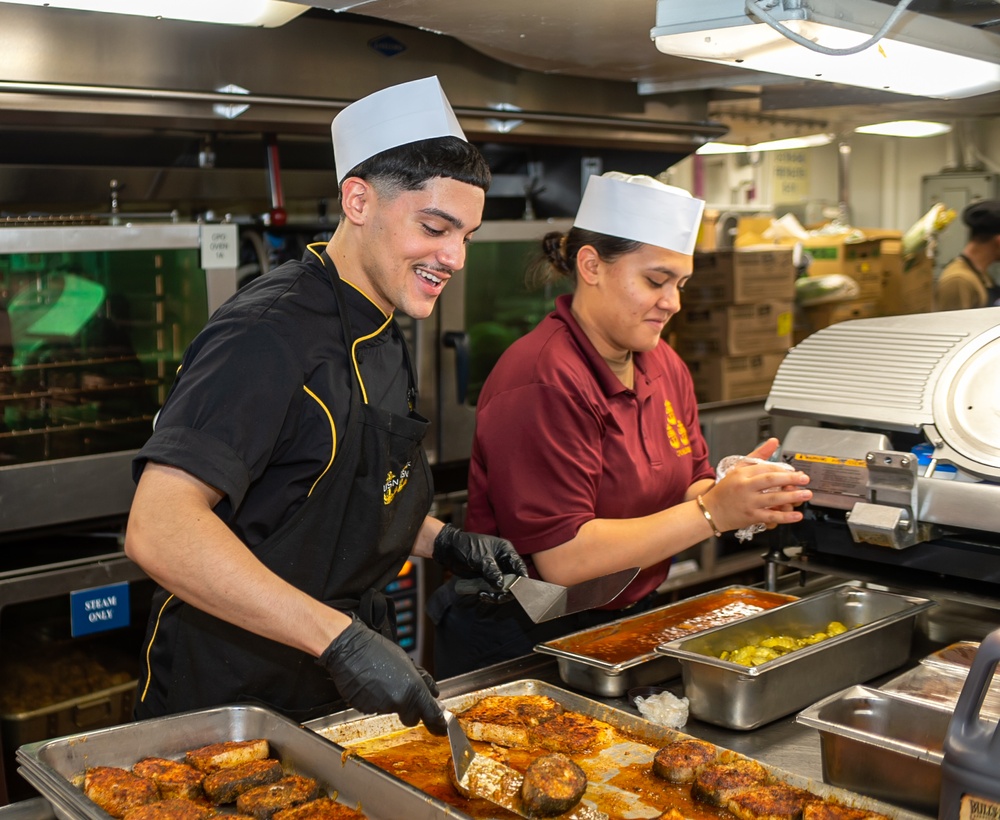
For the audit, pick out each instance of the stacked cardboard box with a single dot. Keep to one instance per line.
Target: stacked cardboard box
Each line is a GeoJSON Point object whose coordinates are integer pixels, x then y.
{"type": "Point", "coordinates": [862, 261]}
{"type": "Point", "coordinates": [735, 323]}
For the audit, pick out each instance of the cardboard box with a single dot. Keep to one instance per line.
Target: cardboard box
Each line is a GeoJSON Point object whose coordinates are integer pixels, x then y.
{"type": "Point", "coordinates": [740, 277]}
{"type": "Point", "coordinates": [727, 378]}
{"type": "Point", "coordinates": [820, 316]}
{"type": "Point", "coordinates": [734, 330]}
{"type": "Point", "coordinates": [907, 282]}
{"type": "Point", "coordinates": [832, 254]}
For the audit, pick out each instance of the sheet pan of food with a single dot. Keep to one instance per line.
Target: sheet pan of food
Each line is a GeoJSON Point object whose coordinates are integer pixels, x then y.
{"type": "Point", "coordinates": [242, 761]}
{"type": "Point", "coordinates": [633, 768]}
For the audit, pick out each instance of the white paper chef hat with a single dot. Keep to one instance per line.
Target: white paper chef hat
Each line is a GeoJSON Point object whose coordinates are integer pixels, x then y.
{"type": "Point", "coordinates": [394, 116]}
{"type": "Point", "coordinates": [641, 208]}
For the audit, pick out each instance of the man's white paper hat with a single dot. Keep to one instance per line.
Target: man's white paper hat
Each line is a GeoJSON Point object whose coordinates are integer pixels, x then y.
{"type": "Point", "coordinates": [394, 116]}
{"type": "Point", "coordinates": [641, 208]}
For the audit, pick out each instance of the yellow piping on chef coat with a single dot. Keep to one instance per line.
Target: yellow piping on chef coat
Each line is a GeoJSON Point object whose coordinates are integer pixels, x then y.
{"type": "Point", "coordinates": [149, 648]}
{"type": "Point", "coordinates": [333, 433]}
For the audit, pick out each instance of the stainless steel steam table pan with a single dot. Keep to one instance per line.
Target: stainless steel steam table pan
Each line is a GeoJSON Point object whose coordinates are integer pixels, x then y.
{"type": "Point", "coordinates": [880, 631]}
{"type": "Point", "coordinates": [640, 741]}
{"type": "Point", "coordinates": [610, 659]}
{"type": "Point", "coordinates": [883, 745]}
{"type": "Point", "coordinates": [54, 767]}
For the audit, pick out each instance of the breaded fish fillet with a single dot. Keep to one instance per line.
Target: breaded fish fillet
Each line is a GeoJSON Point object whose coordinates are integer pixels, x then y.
{"type": "Point", "coordinates": [225, 785]}
{"type": "Point", "coordinates": [217, 756]}
{"type": "Point", "coordinates": [174, 779]}
{"type": "Point", "coordinates": [717, 783]}
{"type": "Point", "coordinates": [118, 790]}
{"type": "Point", "coordinates": [681, 760]}
{"type": "Point", "coordinates": [506, 719]}
{"type": "Point", "coordinates": [263, 801]}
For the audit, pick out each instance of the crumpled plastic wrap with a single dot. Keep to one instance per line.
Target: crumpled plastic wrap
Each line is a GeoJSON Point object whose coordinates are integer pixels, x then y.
{"type": "Point", "coordinates": [727, 464]}
{"type": "Point", "coordinates": [664, 708]}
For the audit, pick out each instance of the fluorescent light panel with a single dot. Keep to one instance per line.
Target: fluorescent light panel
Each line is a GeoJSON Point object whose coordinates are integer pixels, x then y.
{"type": "Point", "coordinates": [920, 55]}
{"type": "Point", "coordinates": [905, 128]}
{"type": "Point", "coordinates": [266, 13]}
{"type": "Point", "coordinates": [787, 144]}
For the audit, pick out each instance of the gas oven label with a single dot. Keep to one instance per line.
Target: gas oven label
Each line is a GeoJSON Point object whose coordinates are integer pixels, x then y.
{"type": "Point", "coordinates": [829, 474]}
{"type": "Point", "coordinates": [219, 247]}
{"type": "Point", "coordinates": [99, 609]}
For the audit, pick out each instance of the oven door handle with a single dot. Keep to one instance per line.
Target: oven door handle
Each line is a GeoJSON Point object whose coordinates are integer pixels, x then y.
{"type": "Point", "coordinates": [459, 340]}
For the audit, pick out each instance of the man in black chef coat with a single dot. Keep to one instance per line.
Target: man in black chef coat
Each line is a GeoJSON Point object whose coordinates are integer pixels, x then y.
{"type": "Point", "coordinates": [285, 483]}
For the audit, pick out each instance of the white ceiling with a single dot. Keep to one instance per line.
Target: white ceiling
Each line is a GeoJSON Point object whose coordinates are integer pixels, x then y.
{"type": "Point", "coordinates": [609, 39]}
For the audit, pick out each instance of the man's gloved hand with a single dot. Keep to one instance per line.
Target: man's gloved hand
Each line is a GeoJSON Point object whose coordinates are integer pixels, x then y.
{"type": "Point", "coordinates": [373, 674]}
{"type": "Point", "coordinates": [472, 555]}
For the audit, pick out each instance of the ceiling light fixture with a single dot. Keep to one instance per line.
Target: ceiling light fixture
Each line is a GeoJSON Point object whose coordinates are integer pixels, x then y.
{"type": "Point", "coordinates": [905, 128]}
{"type": "Point", "coordinates": [266, 13]}
{"type": "Point", "coordinates": [918, 54]}
{"type": "Point", "coordinates": [787, 144]}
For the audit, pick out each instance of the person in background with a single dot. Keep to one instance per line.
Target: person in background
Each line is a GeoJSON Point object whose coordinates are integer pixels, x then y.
{"type": "Point", "coordinates": [965, 281]}
{"type": "Point", "coordinates": [588, 455]}
{"type": "Point", "coordinates": [285, 483]}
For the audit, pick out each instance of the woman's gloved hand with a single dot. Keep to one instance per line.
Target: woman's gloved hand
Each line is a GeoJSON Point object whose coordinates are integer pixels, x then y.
{"type": "Point", "coordinates": [472, 555]}
{"type": "Point", "coordinates": [375, 675]}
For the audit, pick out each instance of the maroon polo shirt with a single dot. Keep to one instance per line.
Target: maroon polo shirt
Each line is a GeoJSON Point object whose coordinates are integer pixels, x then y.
{"type": "Point", "coordinates": [559, 441]}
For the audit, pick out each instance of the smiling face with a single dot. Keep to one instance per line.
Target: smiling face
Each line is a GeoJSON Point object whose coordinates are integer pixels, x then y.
{"type": "Point", "coordinates": [625, 304]}
{"type": "Point", "coordinates": [412, 242]}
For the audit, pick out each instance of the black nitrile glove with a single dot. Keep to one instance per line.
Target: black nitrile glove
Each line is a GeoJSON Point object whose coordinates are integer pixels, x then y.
{"type": "Point", "coordinates": [472, 555]}
{"type": "Point", "coordinates": [373, 674]}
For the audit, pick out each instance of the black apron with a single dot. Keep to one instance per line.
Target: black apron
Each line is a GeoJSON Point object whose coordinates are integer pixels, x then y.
{"type": "Point", "coordinates": [348, 540]}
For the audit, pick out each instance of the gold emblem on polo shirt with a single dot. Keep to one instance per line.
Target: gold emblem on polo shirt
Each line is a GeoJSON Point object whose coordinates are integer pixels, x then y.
{"type": "Point", "coordinates": [394, 484]}
{"type": "Point", "coordinates": [677, 433]}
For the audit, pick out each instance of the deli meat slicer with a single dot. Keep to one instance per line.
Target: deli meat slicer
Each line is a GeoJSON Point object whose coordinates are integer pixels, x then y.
{"type": "Point", "coordinates": [900, 435]}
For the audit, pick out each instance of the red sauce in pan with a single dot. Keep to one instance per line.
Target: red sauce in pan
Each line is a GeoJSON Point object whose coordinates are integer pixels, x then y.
{"type": "Point", "coordinates": [639, 636]}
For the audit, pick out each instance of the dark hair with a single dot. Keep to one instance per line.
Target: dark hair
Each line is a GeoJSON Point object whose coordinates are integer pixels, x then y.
{"type": "Point", "coordinates": [409, 167]}
{"type": "Point", "coordinates": [558, 257]}
{"type": "Point", "coordinates": [983, 219]}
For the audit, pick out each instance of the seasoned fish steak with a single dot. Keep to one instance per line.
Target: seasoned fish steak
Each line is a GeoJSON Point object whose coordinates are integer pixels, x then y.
{"type": "Point", "coordinates": [572, 733]}
{"type": "Point", "coordinates": [717, 783]}
{"type": "Point", "coordinates": [174, 779]}
{"type": "Point", "coordinates": [263, 801]}
{"type": "Point", "coordinates": [552, 784]}
{"type": "Point", "coordinates": [225, 785]}
{"type": "Point", "coordinates": [777, 801]}
{"type": "Point", "coordinates": [829, 810]}
{"type": "Point", "coordinates": [173, 808]}
{"type": "Point", "coordinates": [118, 790]}
{"type": "Point", "coordinates": [217, 756]}
{"type": "Point", "coordinates": [681, 760]}
{"type": "Point", "coordinates": [506, 719]}
{"type": "Point", "coordinates": [323, 808]}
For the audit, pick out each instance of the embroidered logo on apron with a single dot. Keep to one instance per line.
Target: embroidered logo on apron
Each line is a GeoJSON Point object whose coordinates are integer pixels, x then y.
{"type": "Point", "coordinates": [394, 484]}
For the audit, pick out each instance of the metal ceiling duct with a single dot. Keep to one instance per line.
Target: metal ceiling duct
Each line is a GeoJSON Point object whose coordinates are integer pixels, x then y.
{"type": "Point", "coordinates": [87, 97]}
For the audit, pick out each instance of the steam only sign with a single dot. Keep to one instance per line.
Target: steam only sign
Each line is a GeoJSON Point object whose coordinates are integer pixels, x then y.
{"type": "Point", "coordinates": [99, 609]}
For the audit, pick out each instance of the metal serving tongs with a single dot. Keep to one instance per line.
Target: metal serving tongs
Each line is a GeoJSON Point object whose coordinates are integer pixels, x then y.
{"type": "Point", "coordinates": [496, 782]}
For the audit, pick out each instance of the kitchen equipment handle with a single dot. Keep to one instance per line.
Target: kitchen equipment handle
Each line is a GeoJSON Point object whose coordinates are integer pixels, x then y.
{"type": "Point", "coordinates": [474, 586]}
{"type": "Point", "coordinates": [92, 713]}
{"type": "Point", "coordinates": [459, 340]}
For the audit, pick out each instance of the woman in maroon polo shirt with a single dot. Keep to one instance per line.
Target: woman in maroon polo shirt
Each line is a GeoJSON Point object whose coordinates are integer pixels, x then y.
{"type": "Point", "coordinates": [588, 455]}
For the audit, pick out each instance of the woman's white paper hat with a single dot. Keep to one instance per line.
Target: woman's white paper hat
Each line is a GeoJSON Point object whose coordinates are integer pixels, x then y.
{"type": "Point", "coordinates": [394, 116]}
{"type": "Point", "coordinates": [642, 209]}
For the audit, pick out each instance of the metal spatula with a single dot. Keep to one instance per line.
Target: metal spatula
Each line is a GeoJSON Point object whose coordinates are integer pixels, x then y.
{"type": "Point", "coordinates": [543, 601]}
{"type": "Point", "coordinates": [494, 781]}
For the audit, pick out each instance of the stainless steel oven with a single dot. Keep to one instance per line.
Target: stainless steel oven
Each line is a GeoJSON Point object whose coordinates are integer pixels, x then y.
{"type": "Point", "coordinates": [481, 311]}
